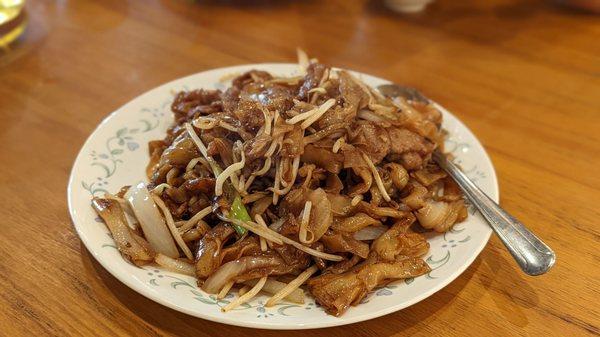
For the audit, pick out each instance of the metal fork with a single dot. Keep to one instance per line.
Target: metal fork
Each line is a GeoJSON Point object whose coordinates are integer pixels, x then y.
{"type": "Point", "coordinates": [532, 254]}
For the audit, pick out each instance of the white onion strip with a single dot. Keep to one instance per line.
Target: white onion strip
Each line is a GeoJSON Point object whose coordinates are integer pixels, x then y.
{"type": "Point", "coordinates": [152, 223]}
{"type": "Point", "coordinates": [194, 220]}
{"type": "Point", "coordinates": [171, 224]}
{"type": "Point", "coordinates": [175, 265]}
{"type": "Point", "coordinates": [228, 173]}
{"type": "Point", "coordinates": [303, 232]}
{"type": "Point", "coordinates": [297, 282]}
{"type": "Point", "coordinates": [247, 296]}
{"type": "Point", "coordinates": [378, 180]}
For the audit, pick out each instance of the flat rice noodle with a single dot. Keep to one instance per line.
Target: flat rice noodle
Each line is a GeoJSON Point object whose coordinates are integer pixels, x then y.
{"type": "Point", "coordinates": [294, 201]}
{"type": "Point", "coordinates": [293, 143]}
{"type": "Point", "coordinates": [257, 147]}
{"type": "Point", "coordinates": [333, 184]}
{"type": "Point", "coordinates": [354, 99]}
{"type": "Point", "coordinates": [340, 242]}
{"type": "Point", "coordinates": [429, 175]}
{"type": "Point", "coordinates": [332, 162]}
{"type": "Point", "coordinates": [342, 266]}
{"type": "Point", "coordinates": [260, 206]}
{"type": "Point", "coordinates": [417, 196]}
{"type": "Point", "coordinates": [131, 245]}
{"type": "Point", "coordinates": [397, 242]}
{"type": "Point", "coordinates": [371, 139]}
{"type": "Point", "coordinates": [208, 254]}
{"type": "Point", "coordinates": [336, 292]}
{"type": "Point", "coordinates": [293, 258]}
{"type": "Point", "coordinates": [321, 216]}
{"type": "Point", "coordinates": [398, 175]}
{"type": "Point", "coordinates": [353, 223]}
{"type": "Point", "coordinates": [452, 191]}
{"type": "Point", "coordinates": [180, 152]}
{"type": "Point", "coordinates": [353, 159]}
{"type": "Point", "coordinates": [379, 212]}
{"type": "Point", "coordinates": [155, 150]}
{"type": "Point", "coordinates": [341, 205]}
{"type": "Point", "coordinates": [246, 247]}
{"type": "Point", "coordinates": [201, 184]}
{"type": "Point", "coordinates": [364, 186]}
{"type": "Point", "coordinates": [223, 148]}
{"type": "Point", "coordinates": [311, 80]}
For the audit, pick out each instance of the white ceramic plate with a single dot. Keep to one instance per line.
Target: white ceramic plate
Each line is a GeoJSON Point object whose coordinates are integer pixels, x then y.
{"type": "Point", "coordinates": [116, 154]}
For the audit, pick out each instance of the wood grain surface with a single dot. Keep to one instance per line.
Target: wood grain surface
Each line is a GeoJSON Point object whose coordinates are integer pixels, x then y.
{"type": "Point", "coordinates": [524, 75]}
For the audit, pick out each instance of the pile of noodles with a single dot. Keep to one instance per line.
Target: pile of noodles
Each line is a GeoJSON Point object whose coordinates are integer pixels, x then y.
{"type": "Point", "coordinates": [282, 180]}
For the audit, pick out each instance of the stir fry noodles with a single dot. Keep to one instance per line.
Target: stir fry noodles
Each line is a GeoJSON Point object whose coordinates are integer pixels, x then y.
{"type": "Point", "coordinates": [313, 184]}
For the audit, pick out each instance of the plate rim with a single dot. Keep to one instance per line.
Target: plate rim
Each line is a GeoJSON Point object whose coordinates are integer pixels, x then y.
{"type": "Point", "coordinates": [132, 284]}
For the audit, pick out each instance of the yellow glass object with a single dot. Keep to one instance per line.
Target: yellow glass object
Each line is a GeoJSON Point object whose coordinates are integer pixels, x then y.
{"type": "Point", "coordinates": [12, 21]}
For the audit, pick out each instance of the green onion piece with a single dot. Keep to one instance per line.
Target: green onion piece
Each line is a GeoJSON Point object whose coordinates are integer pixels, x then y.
{"type": "Point", "coordinates": [239, 212]}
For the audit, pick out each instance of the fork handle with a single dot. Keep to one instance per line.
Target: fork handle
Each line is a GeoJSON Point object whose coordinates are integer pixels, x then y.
{"type": "Point", "coordinates": [532, 254]}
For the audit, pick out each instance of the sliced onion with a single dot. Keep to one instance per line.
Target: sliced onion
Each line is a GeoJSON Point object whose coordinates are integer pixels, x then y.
{"type": "Point", "coordinates": [370, 233]}
{"type": "Point", "coordinates": [224, 274]}
{"type": "Point", "coordinates": [152, 223]}
{"type": "Point", "coordinates": [175, 265]}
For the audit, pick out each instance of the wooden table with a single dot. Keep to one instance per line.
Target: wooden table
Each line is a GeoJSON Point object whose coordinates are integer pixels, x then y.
{"type": "Point", "coordinates": [522, 74]}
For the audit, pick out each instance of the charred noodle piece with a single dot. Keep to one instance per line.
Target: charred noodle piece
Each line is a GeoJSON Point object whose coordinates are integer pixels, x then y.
{"type": "Point", "coordinates": [336, 292]}
{"type": "Point", "coordinates": [129, 244]}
